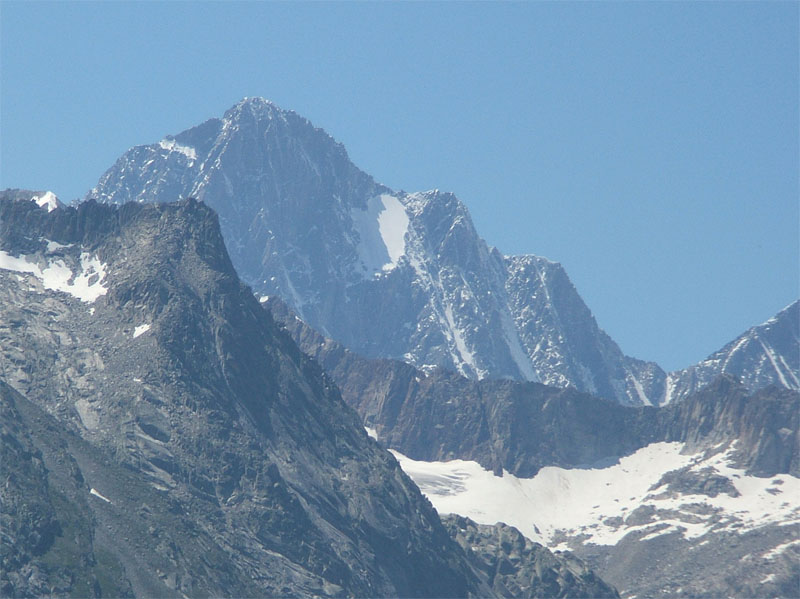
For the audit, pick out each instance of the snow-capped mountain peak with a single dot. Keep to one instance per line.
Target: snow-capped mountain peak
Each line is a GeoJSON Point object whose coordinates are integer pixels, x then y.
{"type": "Point", "coordinates": [386, 273]}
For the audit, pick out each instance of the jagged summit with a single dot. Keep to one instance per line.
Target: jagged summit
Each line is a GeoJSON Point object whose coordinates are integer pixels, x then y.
{"type": "Point", "coordinates": [791, 311]}
{"type": "Point", "coordinates": [259, 108]}
{"type": "Point", "coordinates": [205, 444]}
{"type": "Point", "coordinates": [387, 273]}
{"type": "Point", "coordinates": [254, 102]}
{"type": "Point", "coordinates": [764, 354]}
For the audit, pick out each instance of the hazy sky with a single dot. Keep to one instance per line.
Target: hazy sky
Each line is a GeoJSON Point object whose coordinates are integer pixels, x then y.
{"type": "Point", "coordinates": [651, 148]}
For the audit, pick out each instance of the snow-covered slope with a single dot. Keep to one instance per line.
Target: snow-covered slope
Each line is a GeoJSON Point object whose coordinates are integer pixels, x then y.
{"type": "Point", "coordinates": [554, 505]}
{"type": "Point", "coordinates": [60, 269]}
{"type": "Point", "coordinates": [765, 354]}
{"type": "Point", "coordinates": [386, 273]}
{"type": "Point", "coordinates": [675, 507]}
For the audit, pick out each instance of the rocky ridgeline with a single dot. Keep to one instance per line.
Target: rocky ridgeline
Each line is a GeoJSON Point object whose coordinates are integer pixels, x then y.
{"type": "Point", "coordinates": [399, 275]}
{"type": "Point", "coordinates": [521, 427]}
{"type": "Point", "coordinates": [388, 274]}
{"type": "Point", "coordinates": [164, 437]}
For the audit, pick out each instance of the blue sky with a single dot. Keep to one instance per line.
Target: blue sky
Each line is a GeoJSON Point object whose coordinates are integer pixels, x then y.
{"type": "Point", "coordinates": [651, 148]}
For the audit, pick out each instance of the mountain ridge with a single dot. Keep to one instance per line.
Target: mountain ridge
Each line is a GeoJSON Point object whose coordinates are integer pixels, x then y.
{"type": "Point", "coordinates": [392, 274]}
{"type": "Point", "coordinates": [176, 372]}
{"type": "Point", "coordinates": [304, 223]}
{"type": "Point", "coordinates": [713, 471]}
{"type": "Point", "coordinates": [166, 438]}
{"type": "Point", "coordinates": [751, 356]}
{"type": "Point", "coordinates": [442, 415]}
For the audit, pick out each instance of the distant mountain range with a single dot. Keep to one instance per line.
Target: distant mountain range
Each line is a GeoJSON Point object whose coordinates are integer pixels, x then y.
{"type": "Point", "coordinates": [767, 354]}
{"type": "Point", "coordinates": [388, 274]}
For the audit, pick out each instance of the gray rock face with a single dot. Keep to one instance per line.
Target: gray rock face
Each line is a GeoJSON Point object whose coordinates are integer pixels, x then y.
{"type": "Point", "coordinates": [172, 440]}
{"type": "Point", "coordinates": [386, 273]}
{"type": "Point", "coordinates": [47, 545]}
{"type": "Point", "coordinates": [43, 199]}
{"type": "Point", "coordinates": [516, 567]}
{"type": "Point", "coordinates": [764, 424]}
{"type": "Point", "coordinates": [755, 563]}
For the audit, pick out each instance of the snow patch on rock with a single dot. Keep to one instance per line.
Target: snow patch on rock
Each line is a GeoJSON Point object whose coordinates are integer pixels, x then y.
{"type": "Point", "coordinates": [47, 200]}
{"type": "Point", "coordinates": [54, 246]}
{"type": "Point", "coordinates": [97, 493]}
{"type": "Point", "coordinates": [86, 284]}
{"type": "Point", "coordinates": [140, 330]}
{"type": "Point", "coordinates": [381, 229]}
{"type": "Point", "coordinates": [173, 146]}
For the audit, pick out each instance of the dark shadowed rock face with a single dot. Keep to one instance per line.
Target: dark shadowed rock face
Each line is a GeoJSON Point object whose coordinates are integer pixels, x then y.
{"type": "Point", "coordinates": [765, 425]}
{"type": "Point", "coordinates": [47, 543]}
{"type": "Point", "coordinates": [226, 461]}
{"type": "Point", "coordinates": [517, 567]}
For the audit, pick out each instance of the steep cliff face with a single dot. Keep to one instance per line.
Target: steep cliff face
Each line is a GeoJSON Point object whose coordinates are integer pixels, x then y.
{"type": "Point", "coordinates": [215, 457]}
{"type": "Point", "coordinates": [388, 274]}
{"type": "Point", "coordinates": [48, 545]}
{"type": "Point", "coordinates": [765, 425]}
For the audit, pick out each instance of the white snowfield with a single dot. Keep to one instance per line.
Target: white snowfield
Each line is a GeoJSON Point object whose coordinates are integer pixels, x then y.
{"type": "Point", "coordinates": [596, 502]}
{"type": "Point", "coordinates": [140, 330]}
{"type": "Point", "coordinates": [382, 229]}
{"type": "Point", "coordinates": [86, 284]}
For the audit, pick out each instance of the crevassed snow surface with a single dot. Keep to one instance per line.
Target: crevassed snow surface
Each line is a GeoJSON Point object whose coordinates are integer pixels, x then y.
{"type": "Point", "coordinates": [47, 200]}
{"type": "Point", "coordinates": [596, 501]}
{"type": "Point", "coordinates": [86, 285]}
{"type": "Point", "coordinates": [141, 329]}
{"type": "Point", "coordinates": [381, 229]}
